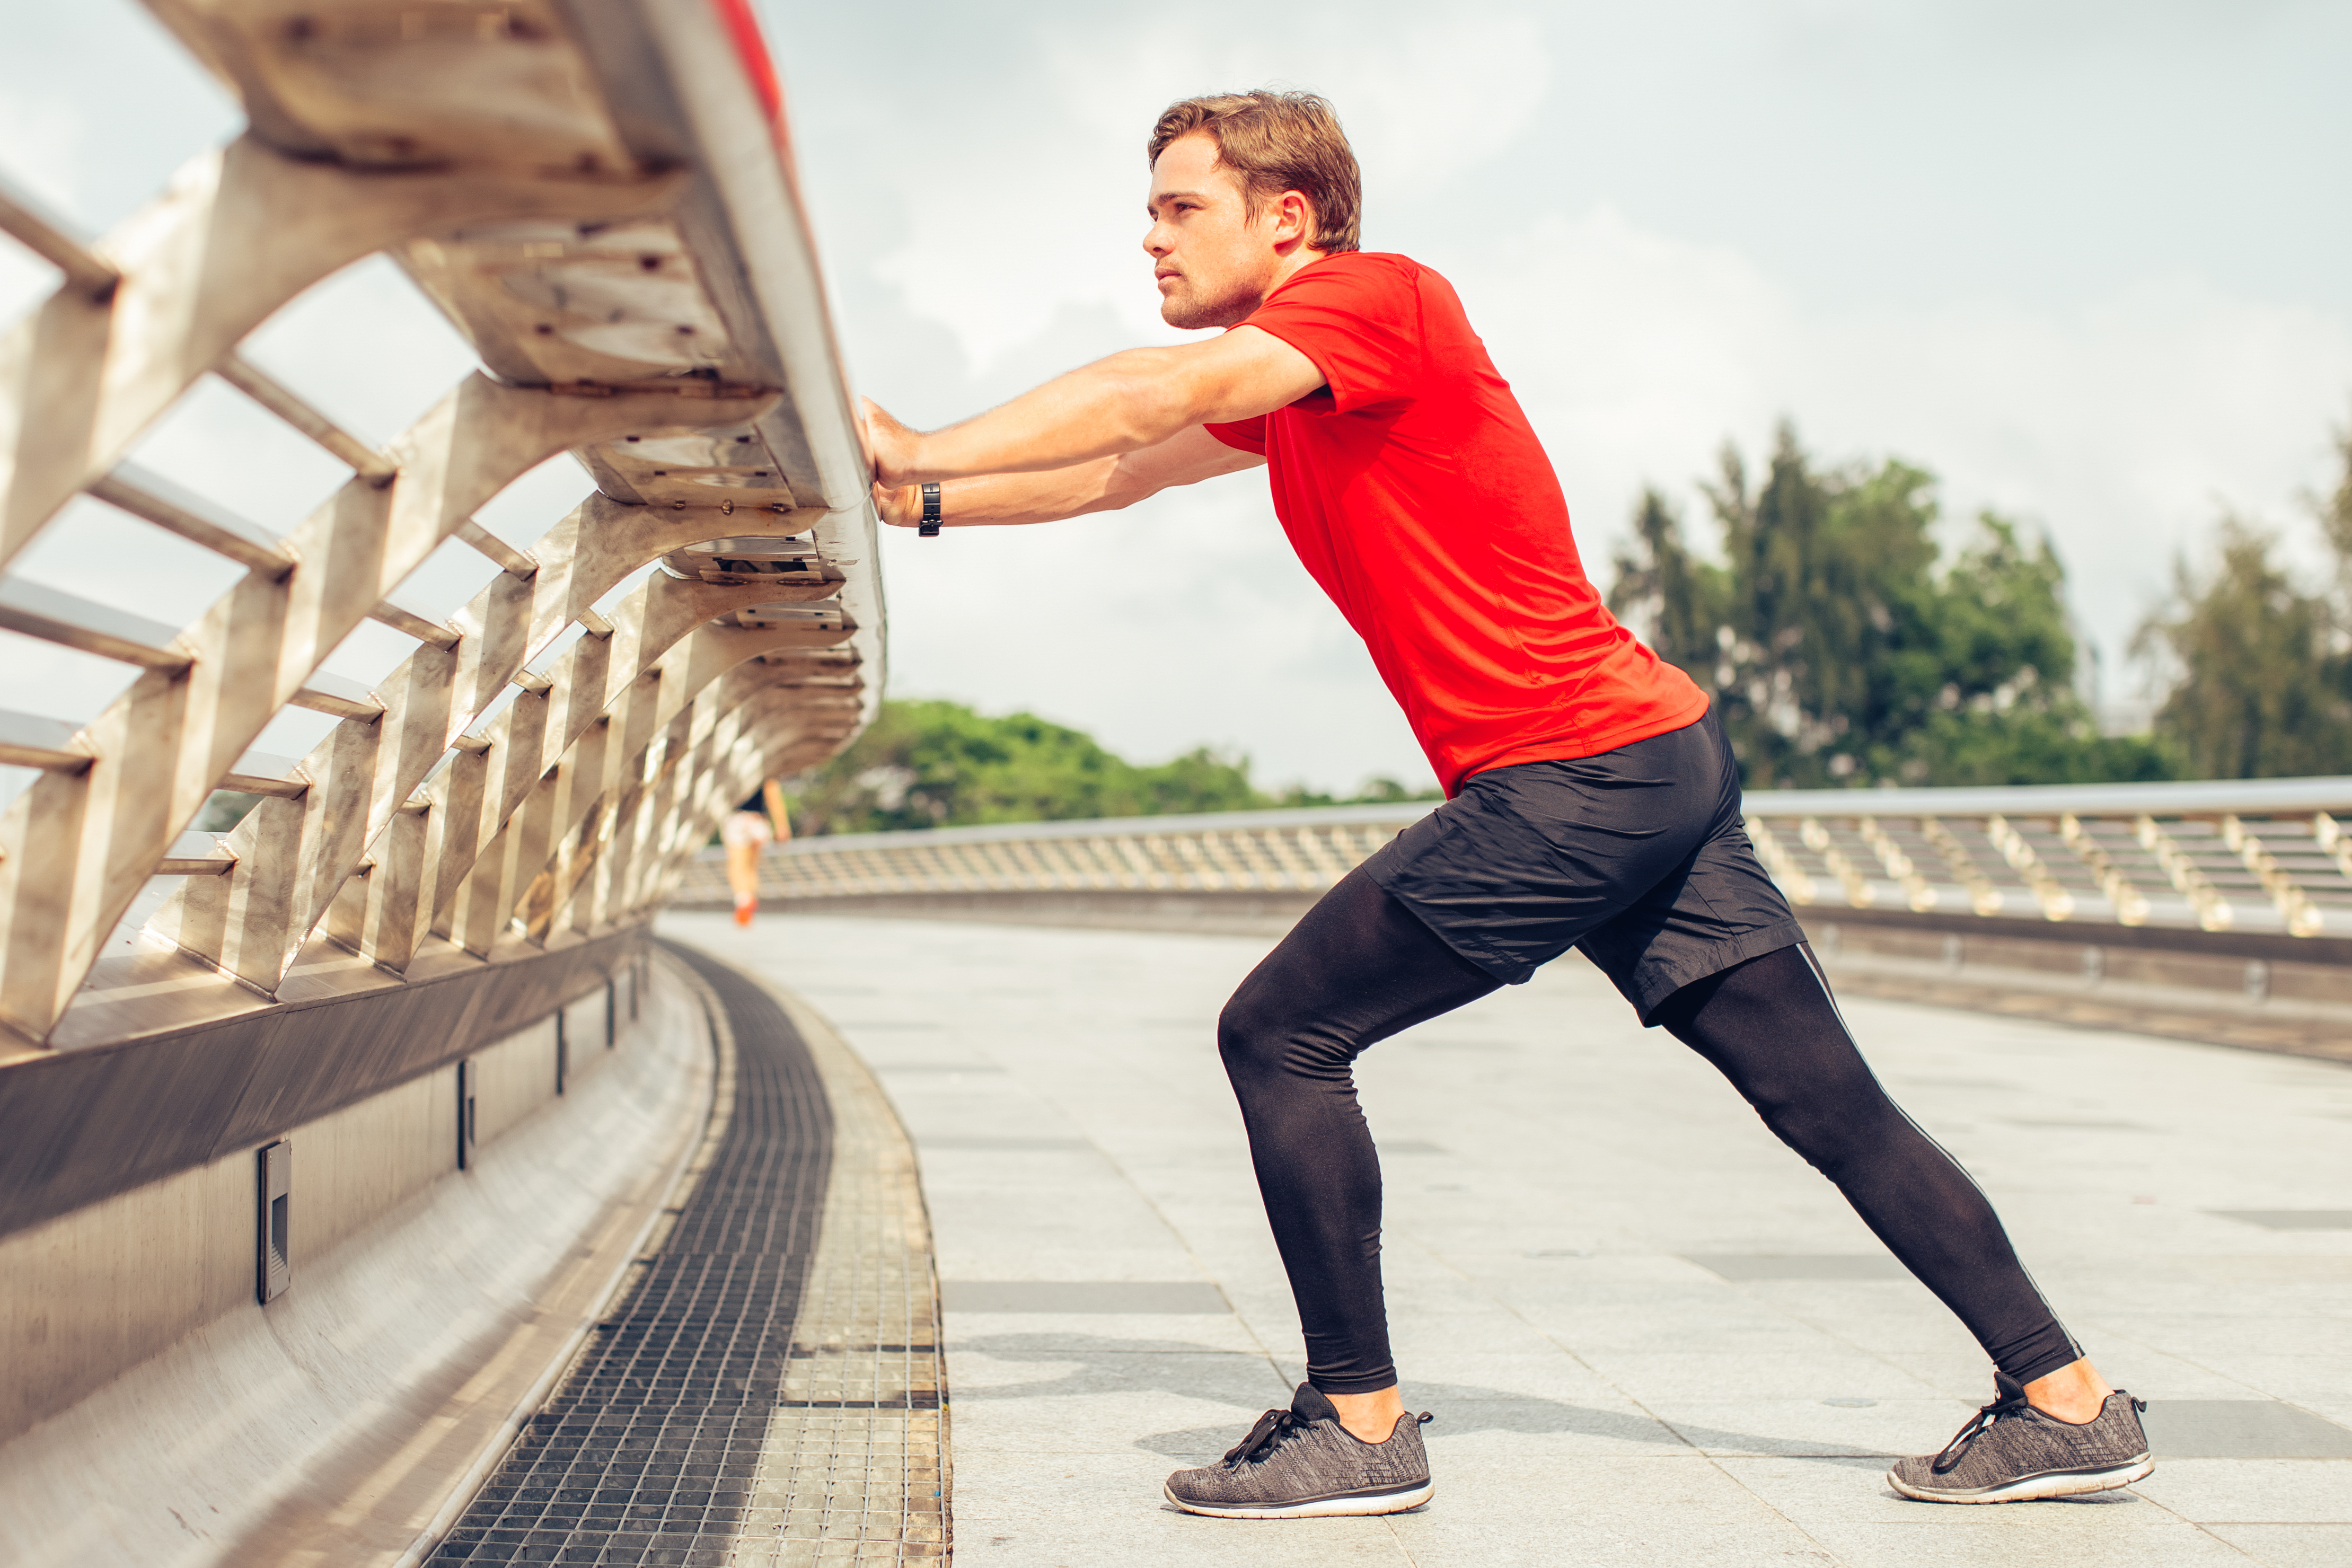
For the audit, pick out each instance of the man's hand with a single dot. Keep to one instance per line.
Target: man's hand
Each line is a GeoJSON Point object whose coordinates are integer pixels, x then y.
{"type": "Point", "coordinates": [899, 506]}
{"type": "Point", "coordinates": [890, 447]}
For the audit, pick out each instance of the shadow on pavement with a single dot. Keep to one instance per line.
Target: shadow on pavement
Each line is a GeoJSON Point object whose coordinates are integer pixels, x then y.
{"type": "Point", "coordinates": [1106, 1365]}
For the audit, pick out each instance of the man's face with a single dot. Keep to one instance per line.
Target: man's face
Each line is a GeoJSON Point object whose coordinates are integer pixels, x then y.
{"type": "Point", "coordinates": [1213, 262]}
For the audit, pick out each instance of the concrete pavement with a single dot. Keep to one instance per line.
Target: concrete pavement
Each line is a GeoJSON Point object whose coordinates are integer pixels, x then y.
{"type": "Point", "coordinates": [1649, 1333]}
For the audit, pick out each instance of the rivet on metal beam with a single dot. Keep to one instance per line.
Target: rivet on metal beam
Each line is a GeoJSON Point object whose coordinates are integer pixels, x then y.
{"type": "Point", "coordinates": [594, 625]}
{"type": "Point", "coordinates": [530, 680]}
{"type": "Point", "coordinates": [282, 400]}
{"type": "Point", "coordinates": [51, 237]}
{"type": "Point", "coordinates": [192, 517]}
{"type": "Point", "coordinates": [514, 562]}
{"type": "Point", "coordinates": [408, 623]}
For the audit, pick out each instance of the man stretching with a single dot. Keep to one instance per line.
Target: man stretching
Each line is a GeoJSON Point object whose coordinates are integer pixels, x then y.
{"type": "Point", "coordinates": [1592, 800]}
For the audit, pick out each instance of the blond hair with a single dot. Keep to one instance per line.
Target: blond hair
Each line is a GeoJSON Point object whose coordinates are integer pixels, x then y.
{"type": "Point", "coordinates": [1277, 142]}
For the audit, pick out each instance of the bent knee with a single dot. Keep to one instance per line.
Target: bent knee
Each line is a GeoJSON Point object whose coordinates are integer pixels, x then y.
{"type": "Point", "coordinates": [1248, 1039]}
{"type": "Point", "coordinates": [1258, 1042]}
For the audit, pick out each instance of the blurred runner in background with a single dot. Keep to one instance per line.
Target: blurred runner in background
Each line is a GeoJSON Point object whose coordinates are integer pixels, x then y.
{"type": "Point", "coordinates": [760, 820]}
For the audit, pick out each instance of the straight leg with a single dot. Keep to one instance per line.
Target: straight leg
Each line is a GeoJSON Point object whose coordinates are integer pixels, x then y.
{"type": "Point", "coordinates": [1771, 1027]}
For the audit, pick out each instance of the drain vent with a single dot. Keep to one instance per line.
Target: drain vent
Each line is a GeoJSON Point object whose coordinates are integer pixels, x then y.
{"type": "Point", "coordinates": [649, 1451]}
{"type": "Point", "coordinates": [273, 1272]}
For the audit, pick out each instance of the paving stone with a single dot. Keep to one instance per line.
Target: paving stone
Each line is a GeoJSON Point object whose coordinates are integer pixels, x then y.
{"type": "Point", "coordinates": [2290, 1545]}
{"type": "Point", "coordinates": [2255, 1491]}
{"type": "Point", "coordinates": [2292, 1219]}
{"type": "Point", "coordinates": [2241, 1429]}
{"type": "Point", "coordinates": [1157, 1297]}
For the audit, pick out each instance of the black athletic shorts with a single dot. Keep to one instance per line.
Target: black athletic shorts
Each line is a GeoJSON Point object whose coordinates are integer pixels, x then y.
{"type": "Point", "coordinates": [1636, 855]}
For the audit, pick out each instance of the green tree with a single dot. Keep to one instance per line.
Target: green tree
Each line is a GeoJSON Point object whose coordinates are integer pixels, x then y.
{"type": "Point", "coordinates": [1838, 646]}
{"type": "Point", "coordinates": [941, 764]}
{"type": "Point", "coordinates": [936, 765]}
{"type": "Point", "coordinates": [2262, 683]}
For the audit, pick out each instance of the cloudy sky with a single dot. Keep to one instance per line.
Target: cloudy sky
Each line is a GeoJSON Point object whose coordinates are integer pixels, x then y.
{"type": "Point", "coordinates": [2091, 262]}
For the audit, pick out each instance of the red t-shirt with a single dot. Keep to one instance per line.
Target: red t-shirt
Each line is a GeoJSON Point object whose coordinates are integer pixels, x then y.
{"type": "Point", "coordinates": [1416, 493]}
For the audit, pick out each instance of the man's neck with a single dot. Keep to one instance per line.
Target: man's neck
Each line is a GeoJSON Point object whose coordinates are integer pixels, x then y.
{"type": "Point", "coordinates": [1290, 266]}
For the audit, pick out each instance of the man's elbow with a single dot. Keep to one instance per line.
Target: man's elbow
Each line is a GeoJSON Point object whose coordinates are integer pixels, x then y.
{"type": "Point", "coordinates": [1120, 494]}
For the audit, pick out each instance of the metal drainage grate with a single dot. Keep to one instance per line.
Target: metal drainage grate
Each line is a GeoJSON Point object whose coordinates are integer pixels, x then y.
{"type": "Point", "coordinates": [648, 1452]}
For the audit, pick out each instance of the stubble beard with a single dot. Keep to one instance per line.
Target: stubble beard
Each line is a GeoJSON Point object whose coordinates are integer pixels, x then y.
{"type": "Point", "coordinates": [1190, 312]}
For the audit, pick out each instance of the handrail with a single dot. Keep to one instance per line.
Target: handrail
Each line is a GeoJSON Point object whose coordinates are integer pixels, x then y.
{"type": "Point", "coordinates": [1093, 827]}
{"type": "Point", "coordinates": [2246, 797]}
{"type": "Point", "coordinates": [615, 229]}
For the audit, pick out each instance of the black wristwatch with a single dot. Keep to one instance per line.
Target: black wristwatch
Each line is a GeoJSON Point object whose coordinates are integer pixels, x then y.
{"type": "Point", "coordinates": [930, 529]}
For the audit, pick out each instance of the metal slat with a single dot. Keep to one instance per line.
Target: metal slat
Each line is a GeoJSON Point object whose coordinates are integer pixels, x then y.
{"type": "Point", "coordinates": [408, 623]}
{"type": "Point", "coordinates": [287, 404]}
{"type": "Point", "coordinates": [71, 621]}
{"type": "Point", "coordinates": [157, 499]}
{"type": "Point", "coordinates": [481, 541]}
{"type": "Point", "coordinates": [258, 772]}
{"type": "Point", "coordinates": [51, 237]}
{"type": "Point", "coordinates": [325, 693]}
{"type": "Point", "coordinates": [30, 740]}
{"type": "Point", "coordinates": [196, 855]}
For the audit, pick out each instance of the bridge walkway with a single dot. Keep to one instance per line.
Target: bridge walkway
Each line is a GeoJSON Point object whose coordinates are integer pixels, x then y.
{"type": "Point", "coordinates": [1650, 1334]}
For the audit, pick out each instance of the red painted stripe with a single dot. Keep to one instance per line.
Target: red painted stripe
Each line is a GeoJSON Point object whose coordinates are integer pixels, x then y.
{"type": "Point", "coordinates": [752, 48]}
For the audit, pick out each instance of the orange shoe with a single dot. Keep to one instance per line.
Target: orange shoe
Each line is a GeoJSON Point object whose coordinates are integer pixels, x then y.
{"type": "Point", "coordinates": [743, 913]}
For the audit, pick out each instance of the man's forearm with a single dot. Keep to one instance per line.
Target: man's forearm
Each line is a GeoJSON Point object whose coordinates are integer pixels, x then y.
{"type": "Point", "coordinates": [1099, 411]}
{"type": "Point", "coordinates": [1001, 499]}
{"type": "Point", "coordinates": [1131, 402]}
{"type": "Point", "coordinates": [1103, 484]}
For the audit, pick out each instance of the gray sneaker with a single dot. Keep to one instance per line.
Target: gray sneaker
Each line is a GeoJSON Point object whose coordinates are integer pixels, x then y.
{"type": "Point", "coordinates": [2010, 1452]}
{"type": "Point", "coordinates": [1300, 1463]}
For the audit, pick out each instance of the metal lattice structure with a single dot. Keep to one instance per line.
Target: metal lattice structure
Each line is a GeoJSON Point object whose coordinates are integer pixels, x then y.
{"type": "Point", "coordinates": [2272, 855]}
{"type": "Point", "coordinates": [600, 197]}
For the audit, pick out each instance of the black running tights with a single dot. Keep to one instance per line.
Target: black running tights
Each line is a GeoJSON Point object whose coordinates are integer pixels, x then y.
{"type": "Point", "coordinates": [1361, 967]}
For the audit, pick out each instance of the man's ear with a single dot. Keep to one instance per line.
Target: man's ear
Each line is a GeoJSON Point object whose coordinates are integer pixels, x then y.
{"type": "Point", "coordinates": [1295, 217]}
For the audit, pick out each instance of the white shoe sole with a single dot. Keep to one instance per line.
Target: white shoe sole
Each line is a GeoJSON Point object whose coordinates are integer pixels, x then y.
{"type": "Point", "coordinates": [2073, 1484]}
{"type": "Point", "coordinates": [1327, 1508]}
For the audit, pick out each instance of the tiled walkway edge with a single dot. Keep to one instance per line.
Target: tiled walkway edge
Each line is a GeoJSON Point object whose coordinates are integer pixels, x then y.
{"type": "Point", "coordinates": [856, 1457]}
{"type": "Point", "coordinates": [765, 1387]}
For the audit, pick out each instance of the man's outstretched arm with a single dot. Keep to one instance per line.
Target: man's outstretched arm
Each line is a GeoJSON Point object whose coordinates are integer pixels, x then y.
{"type": "Point", "coordinates": [1112, 408]}
{"type": "Point", "coordinates": [1105, 484]}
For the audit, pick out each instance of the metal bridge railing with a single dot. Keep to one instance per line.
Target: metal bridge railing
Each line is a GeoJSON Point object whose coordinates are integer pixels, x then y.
{"type": "Point", "coordinates": [1266, 851]}
{"type": "Point", "coordinates": [600, 200]}
{"type": "Point", "coordinates": [2262, 856]}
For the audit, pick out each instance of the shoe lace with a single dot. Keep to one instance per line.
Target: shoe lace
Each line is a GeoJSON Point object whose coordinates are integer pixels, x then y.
{"type": "Point", "coordinates": [1264, 1438]}
{"type": "Point", "coordinates": [1983, 1421]}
